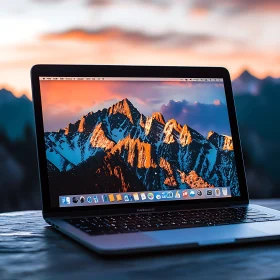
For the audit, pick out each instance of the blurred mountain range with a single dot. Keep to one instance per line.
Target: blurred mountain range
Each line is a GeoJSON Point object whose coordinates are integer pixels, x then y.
{"type": "Point", "coordinates": [19, 183]}
{"type": "Point", "coordinates": [257, 105]}
{"type": "Point", "coordinates": [256, 100]}
{"type": "Point", "coordinates": [15, 114]}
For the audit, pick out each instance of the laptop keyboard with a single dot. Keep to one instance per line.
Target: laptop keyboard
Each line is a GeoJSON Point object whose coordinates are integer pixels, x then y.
{"type": "Point", "coordinates": [115, 224]}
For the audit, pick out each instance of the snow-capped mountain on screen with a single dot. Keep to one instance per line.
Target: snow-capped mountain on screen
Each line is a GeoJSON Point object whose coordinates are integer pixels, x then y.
{"type": "Point", "coordinates": [119, 149]}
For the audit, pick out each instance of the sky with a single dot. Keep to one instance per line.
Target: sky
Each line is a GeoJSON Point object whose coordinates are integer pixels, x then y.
{"type": "Point", "coordinates": [201, 105]}
{"type": "Point", "coordinates": [235, 34]}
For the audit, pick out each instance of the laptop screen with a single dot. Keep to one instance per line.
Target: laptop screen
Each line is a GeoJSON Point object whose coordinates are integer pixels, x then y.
{"type": "Point", "coordinates": [136, 140]}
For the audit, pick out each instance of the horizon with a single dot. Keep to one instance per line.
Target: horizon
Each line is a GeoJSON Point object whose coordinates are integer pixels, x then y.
{"type": "Point", "coordinates": [21, 93]}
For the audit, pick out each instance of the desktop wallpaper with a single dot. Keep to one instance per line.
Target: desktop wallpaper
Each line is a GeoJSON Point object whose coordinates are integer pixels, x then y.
{"type": "Point", "coordinates": [124, 136]}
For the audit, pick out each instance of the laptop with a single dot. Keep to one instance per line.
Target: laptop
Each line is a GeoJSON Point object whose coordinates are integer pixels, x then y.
{"type": "Point", "coordinates": [143, 158]}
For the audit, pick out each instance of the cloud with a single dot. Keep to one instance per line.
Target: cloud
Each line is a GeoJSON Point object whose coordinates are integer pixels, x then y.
{"type": "Point", "coordinates": [99, 3]}
{"type": "Point", "coordinates": [115, 34]}
{"type": "Point", "coordinates": [236, 6]}
{"type": "Point", "coordinates": [62, 104]}
{"type": "Point", "coordinates": [49, 1]}
{"type": "Point", "coordinates": [199, 116]}
{"type": "Point", "coordinates": [104, 3]}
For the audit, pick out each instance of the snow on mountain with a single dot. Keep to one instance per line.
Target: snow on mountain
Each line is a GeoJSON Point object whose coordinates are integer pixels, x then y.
{"type": "Point", "coordinates": [222, 142]}
{"type": "Point", "coordinates": [99, 138]}
{"type": "Point", "coordinates": [125, 108]}
{"type": "Point", "coordinates": [66, 147]}
{"type": "Point", "coordinates": [56, 158]}
{"type": "Point", "coordinates": [154, 126]}
{"type": "Point", "coordinates": [172, 130]}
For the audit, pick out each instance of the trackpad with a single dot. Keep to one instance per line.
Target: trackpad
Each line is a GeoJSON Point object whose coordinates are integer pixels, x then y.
{"type": "Point", "coordinates": [205, 235]}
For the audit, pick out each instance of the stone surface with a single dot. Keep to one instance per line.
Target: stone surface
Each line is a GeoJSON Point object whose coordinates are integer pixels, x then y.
{"type": "Point", "coordinates": [30, 249]}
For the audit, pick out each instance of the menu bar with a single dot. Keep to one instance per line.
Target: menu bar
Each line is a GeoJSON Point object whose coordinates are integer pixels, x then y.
{"type": "Point", "coordinates": [130, 79]}
{"type": "Point", "coordinates": [136, 197]}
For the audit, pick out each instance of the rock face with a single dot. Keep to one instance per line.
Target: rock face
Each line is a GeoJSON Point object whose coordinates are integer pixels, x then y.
{"type": "Point", "coordinates": [194, 180]}
{"type": "Point", "coordinates": [120, 149]}
{"type": "Point", "coordinates": [222, 142]}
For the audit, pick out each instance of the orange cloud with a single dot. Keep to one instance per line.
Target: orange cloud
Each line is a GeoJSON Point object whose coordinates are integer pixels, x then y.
{"type": "Point", "coordinates": [199, 12]}
{"type": "Point", "coordinates": [81, 35]}
{"type": "Point", "coordinates": [162, 4]}
{"type": "Point", "coordinates": [236, 6]}
{"type": "Point", "coordinates": [75, 94]}
{"type": "Point", "coordinates": [117, 35]}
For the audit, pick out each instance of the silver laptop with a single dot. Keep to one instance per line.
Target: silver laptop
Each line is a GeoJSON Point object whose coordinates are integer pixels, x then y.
{"type": "Point", "coordinates": [143, 158]}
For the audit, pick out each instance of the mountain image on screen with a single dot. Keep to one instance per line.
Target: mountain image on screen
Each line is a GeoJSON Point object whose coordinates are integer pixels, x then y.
{"type": "Point", "coordinates": [120, 150]}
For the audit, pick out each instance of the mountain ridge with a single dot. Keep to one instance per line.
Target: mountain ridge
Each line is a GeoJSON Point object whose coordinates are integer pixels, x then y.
{"type": "Point", "coordinates": [246, 83]}
{"type": "Point", "coordinates": [15, 112]}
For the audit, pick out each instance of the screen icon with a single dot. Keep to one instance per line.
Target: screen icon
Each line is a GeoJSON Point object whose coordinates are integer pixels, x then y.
{"type": "Point", "coordinates": [126, 198]}
{"type": "Point", "coordinates": [105, 198]}
{"type": "Point", "coordinates": [130, 197]}
{"type": "Point", "coordinates": [151, 196]}
{"type": "Point", "coordinates": [169, 194]}
{"type": "Point", "coordinates": [217, 192]}
{"type": "Point", "coordinates": [89, 199]}
{"type": "Point", "coordinates": [65, 200]}
{"type": "Point", "coordinates": [192, 193]}
{"type": "Point", "coordinates": [95, 198]}
{"type": "Point", "coordinates": [199, 192]}
{"type": "Point", "coordinates": [82, 199]}
{"type": "Point", "coordinates": [111, 197]}
{"type": "Point", "coordinates": [143, 196]}
{"type": "Point", "coordinates": [209, 192]}
{"type": "Point", "coordinates": [224, 191]}
{"type": "Point", "coordinates": [158, 196]}
{"type": "Point", "coordinates": [185, 193]}
{"type": "Point", "coordinates": [118, 197]}
{"type": "Point", "coordinates": [136, 196]}
{"type": "Point", "coordinates": [177, 194]}
{"type": "Point", "coordinates": [75, 199]}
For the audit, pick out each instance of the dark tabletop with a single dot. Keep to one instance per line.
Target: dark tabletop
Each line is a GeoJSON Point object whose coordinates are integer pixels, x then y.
{"type": "Point", "coordinates": [30, 249]}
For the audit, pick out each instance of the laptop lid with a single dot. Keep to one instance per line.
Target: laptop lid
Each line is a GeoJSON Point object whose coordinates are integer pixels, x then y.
{"type": "Point", "coordinates": [136, 138]}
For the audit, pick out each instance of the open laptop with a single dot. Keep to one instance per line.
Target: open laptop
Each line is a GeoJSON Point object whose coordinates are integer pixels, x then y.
{"type": "Point", "coordinates": [143, 158]}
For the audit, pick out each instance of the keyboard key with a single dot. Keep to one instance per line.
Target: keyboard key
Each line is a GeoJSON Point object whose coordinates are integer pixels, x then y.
{"type": "Point", "coordinates": [247, 221]}
{"type": "Point", "coordinates": [274, 219]}
{"type": "Point", "coordinates": [260, 220]}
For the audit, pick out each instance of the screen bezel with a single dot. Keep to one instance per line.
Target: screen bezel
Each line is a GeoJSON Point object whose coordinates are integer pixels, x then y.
{"type": "Point", "coordinates": [139, 72]}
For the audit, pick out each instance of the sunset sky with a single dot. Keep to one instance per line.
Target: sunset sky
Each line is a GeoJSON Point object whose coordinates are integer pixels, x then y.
{"type": "Point", "coordinates": [201, 105]}
{"type": "Point", "coordinates": [236, 34]}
